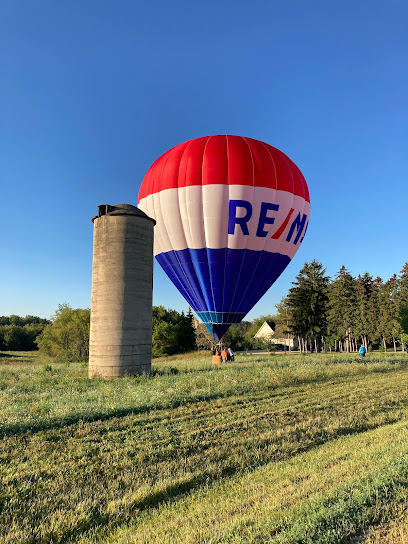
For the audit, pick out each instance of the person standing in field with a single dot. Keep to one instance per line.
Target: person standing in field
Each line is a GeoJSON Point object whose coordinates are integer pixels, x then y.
{"type": "Point", "coordinates": [406, 347]}
{"type": "Point", "coordinates": [224, 355]}
{"type": "Point", "coordinates": [231, 354]}
{"type": "Point", "coordinates": [362, 351]}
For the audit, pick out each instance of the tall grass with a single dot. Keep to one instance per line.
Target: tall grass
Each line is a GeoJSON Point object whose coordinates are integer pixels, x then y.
{"type": "Point", "coordinates": [36, 397]}
{"type": "Point", "coordinates": [270, 447]}
{"type": "Point", "coordinates": [324, 496]}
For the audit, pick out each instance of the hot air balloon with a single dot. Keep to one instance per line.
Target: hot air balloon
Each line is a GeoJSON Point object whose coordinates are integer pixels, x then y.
{"type": "Point", "coordinates": [230, 214]}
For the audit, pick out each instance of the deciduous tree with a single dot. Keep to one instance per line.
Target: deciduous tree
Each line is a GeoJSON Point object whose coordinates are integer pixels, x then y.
{"type": "Point", "coordinates": [67, 337]}
{"type": "Point", "coordinates": [173, 332]}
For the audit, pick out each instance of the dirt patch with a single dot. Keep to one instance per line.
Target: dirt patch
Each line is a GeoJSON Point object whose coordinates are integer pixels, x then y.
{"type": "Point", "coordinates": [360, 537]}
{"type": "Point", "coordinates": [14, 362]}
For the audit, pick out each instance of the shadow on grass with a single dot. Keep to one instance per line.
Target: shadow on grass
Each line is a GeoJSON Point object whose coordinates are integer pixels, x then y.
{"type": "Point", "coordinates": [12, 355]}
{"type": "Point", "coordinates": [173, 370]}
{"type": "Point", "coordinates": [166, 372]}
{"type": "Point", "coordinates": [33, 354]}
{"type": "Point", "coordinates": [99, 523]}
{"type": "Point", "coordinates": [73, 419]}
{"type": "Point", "coordinates": [59, 423]}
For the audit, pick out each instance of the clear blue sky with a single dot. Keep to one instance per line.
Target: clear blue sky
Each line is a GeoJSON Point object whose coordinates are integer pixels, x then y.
{"type": "Point", "coordinates": [92, 92]}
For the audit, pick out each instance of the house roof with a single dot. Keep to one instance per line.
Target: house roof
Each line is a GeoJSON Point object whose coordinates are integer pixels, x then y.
{"type": "Point", "coordinates": [280, 331]}
{"type": "Point", "coordinates": [270, 328]}
{"type": "Point", "coordinates": [266, 329]}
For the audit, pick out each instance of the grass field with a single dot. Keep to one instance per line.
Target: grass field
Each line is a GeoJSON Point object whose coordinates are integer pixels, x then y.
{"type": "Point", "coordinates": [269, 449]}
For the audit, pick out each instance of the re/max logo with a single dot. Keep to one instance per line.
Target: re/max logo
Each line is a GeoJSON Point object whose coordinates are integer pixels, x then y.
{"type": "Point", "coordinates": [298, 224]}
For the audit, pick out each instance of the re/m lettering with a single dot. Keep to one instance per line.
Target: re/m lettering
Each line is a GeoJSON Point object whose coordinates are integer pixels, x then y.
{"type": "Point", "coordinates": [241, 220]}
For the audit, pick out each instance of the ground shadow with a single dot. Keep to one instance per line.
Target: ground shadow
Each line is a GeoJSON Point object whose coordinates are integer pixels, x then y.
{"type": "Point", "coordinates": [102, 522]}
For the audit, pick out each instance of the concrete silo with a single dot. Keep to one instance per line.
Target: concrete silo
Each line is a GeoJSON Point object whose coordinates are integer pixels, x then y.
{"type": "Point", "coordinates": [122, 280]}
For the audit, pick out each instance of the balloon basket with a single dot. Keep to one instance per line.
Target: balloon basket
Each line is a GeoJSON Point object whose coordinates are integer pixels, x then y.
{"type": "Point", "coordinates": [216, 359]}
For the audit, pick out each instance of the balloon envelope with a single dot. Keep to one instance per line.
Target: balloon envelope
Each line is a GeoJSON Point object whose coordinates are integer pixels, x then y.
{"type": "Point", "coordinates": [231, 213]}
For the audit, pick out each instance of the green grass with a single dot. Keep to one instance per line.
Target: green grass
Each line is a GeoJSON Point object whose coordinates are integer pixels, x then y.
{"type": "Point", "coordinates": [273, 448]}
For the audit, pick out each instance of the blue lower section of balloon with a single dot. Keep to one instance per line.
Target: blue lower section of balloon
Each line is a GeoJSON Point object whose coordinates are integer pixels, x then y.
{"type": "Point", "coordinates": [222, 285]}
{"type": "Point", "coordinates": [218, 323]}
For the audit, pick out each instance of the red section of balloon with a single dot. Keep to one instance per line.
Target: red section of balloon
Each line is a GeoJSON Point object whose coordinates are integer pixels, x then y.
{"type": "Point", "coordinates": [221, 159]}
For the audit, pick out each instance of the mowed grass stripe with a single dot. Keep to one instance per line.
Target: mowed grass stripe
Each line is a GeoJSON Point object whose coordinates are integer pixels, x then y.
{"type": "Point", "coordinates": [32, 399]}
{"type": "Point", "coordinates": [323, 496]}
{"type": "Point", "coordinates": [64, 484]}
{"type": "Point", "coordinates": [391, 531]}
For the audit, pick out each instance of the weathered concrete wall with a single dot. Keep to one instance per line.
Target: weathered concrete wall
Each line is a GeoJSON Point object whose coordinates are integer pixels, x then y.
{"type": "Point", "coordinates": [122, 281]}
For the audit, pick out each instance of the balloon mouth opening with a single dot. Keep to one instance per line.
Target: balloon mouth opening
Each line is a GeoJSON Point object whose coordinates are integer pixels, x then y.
{"type": "Point", "coordinates": [217, 323]}
{"type": "Point", "coordinates": [217, 332]}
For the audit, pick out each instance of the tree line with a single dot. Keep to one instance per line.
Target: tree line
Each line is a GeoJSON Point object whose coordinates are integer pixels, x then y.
{"type": "Point", "coordinates": [346, 312]}
{"type": "Point", "coordinates": [325, 314]}
{"type": "Point", "coordinates": [65, 336]}
{"type": "Point", "coordinates": [19, 333]}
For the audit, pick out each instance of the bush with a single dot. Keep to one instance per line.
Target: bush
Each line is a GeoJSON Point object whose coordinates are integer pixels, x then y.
{"type": "Point", "coordinates": [67, 338]}
{"type": "Point", "coordinates": [172, 332]}
{"type": "Point", "coordinates": [17, 337]}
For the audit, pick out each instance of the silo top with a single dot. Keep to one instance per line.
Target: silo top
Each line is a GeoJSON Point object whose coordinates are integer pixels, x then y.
{"type": "Point", "coordinates": [120, 209]}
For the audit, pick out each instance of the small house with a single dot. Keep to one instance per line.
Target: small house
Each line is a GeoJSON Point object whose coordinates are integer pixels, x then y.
{"type": "Point", "coordinates": [275, 334]}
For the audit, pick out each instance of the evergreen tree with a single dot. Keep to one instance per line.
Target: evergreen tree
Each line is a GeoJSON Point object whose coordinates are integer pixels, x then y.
{"type": "Point", "coordinates": [307, 302]}
{"type": "Point", "coordinates": [364, 285]}
{"type": "Point", "coordinates": [342, 306]}
{"type": "Point", "coordinates": [403, 285]}
{"type": "Point", "coordinates": [403, 303]}
{"type": "Point", "coordinates": [373, 310]}
{"type": "Point", "coordinates": [388, 325]}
